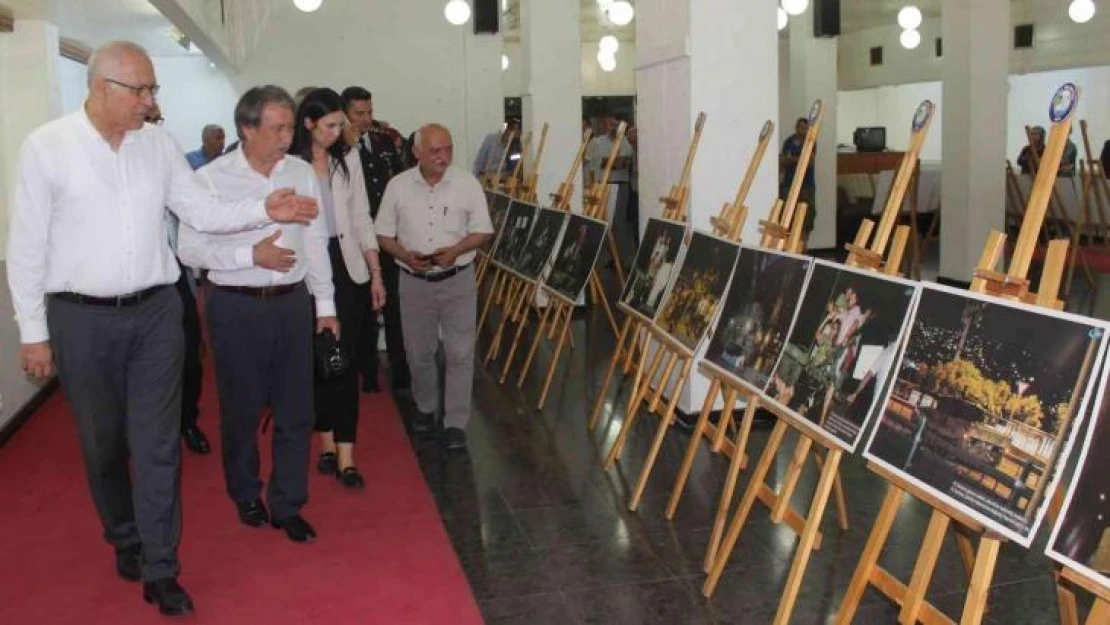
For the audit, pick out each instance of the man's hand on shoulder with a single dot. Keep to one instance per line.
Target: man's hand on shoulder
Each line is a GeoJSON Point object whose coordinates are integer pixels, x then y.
{"type": "Point", "coordinates": [285, 206]}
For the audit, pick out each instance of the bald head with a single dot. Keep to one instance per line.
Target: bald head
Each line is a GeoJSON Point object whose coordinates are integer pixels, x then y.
{"type": "Point", "coordinates": [122, 87]}
{"type": "Point", "coordinates": [114, 57]}
{"type": "Point", "coordinates": [433, 148]}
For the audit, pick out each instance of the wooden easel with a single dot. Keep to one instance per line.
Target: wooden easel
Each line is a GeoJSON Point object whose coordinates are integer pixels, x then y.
{"type": "Point", "coordinates": [868, 251]}
{"type": "Point", "coordinates": [512, 185]}
{"type": "Point", "coordinates": [531, 179]}
{"type": "Point", "coordinates": [1065, 597]}
{"type": "Point", "coordinates": [1013, 284]}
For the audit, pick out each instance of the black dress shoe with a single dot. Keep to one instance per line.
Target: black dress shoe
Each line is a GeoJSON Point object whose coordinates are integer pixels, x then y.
{"type": "Point", "coordinates": [195, 440]}
{"type": "Point", "coordinates": [171, 598]}
{"type": "Point", "coordinates": [129, 561]}
{"type": "Point", "coordinates": [454, 439]}
{"type": "Point", "coordinates": [351, 478]}
{"type": "Point", "coordinates": [327, 463]}
{"type": "Point", "coordinates": [423, 423]}
{"type": "Point", "coordinates": [253, 513]}
{"type": "Point", "coordinates": [296, 528]}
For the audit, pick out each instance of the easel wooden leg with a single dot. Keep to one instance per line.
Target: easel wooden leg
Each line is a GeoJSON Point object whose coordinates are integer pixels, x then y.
{"type": "Point", "coordinates": [838, 495]}
{"type": "Point", "coordinates": [599, 295]}
{"type": "Point", "coordinates": [729, 488]}
{"type": "Point", "coordinates": [1066, 604]}
{"type": "Point", "coordinates": [869, 559]}
{"type": "Point", "coordinates": [529, 293]}
{"type": "Point", "coordinates": [554, 361]}
{"type": "Point", "coordinates": [508, 312]}
{"type": "Point", "coordinates": [976, 602]}
{"type": "Point", "coordinates": [640, 388]}
{"type": "Point", "coordinates": [966, 546]}
{"type": "Point", "coordinates": [923, 569]}
{"type": "Point", "coordinates": [720, 558]}
{"type": "Point", "coordinates": [661, 432]}
{"type": "Point", "coordinates": [790, 482]}
{"type": "Point", "coordinates": [615, 253]}
{"type": "Point", "coordinates": [809, 535]}
{"type": "Point", "coordinates": [604, 390]}
{"type": "Point", "coordinates": [498, 277]}
{"type": "Point", "coordinates": [692, 447]}
{"type": "Point", "coordinates": [662, 385]}
{"type": "Point", "coordinates": [1100, 613]}
{"type": "Point", "coordinates": [725, 422]}
{"type": "Point", "coordinates": [535, 344]}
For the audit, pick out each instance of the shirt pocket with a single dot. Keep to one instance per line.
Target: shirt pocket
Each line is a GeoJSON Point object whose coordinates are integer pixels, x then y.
{"type": "Point", "coordinates": [456, 221]}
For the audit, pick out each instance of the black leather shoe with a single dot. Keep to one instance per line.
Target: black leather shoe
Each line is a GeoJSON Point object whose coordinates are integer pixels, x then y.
{"type": "Point", "coordinates": [454, 439]}
{"type": "Point", "coordinates": [253, 513]}
{"type": "Point", "coordinates": [423, 423]}
{"type": "Point", "coordinates": [171, 598]}
{"type": "Point", "coordinates": [350, 477]}
{"type": "Point", "coordinates": [195, 440]}
{"type": "Point", "coordinates": [129, 561]}
{"type": "Point", "coordinates": [296, 528]}
{"type": "Point", "coordinates": [327, 463]}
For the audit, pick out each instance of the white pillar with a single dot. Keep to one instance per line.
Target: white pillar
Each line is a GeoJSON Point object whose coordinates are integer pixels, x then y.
{"type": "Point", "coordinates": [976, 54]}
{"type": "Point", "coordinates": [717, 56]}
{"type": "Point", "coordinates": [30, 96]}
{"type": "Point", "coordinates": [813, 76]}
{"type": "Point", "coordinates": [484, 102]}
{"type": "Point", "coordinates": [552, 67]}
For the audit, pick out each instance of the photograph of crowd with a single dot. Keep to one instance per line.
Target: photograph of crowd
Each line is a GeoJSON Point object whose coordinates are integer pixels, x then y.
{"type": "Point", "coordinates": [702, 279]}
{"type": "Point", "coordinates": [1081, 538]}
{"type": "Point", "coordinates": [984, 404]}
{"type": "Point", "coordinates": [537, 249]}
{"type": "Point", "coordinates": [762, 298]}
{"type": "Point", "coordinates": [651, 271]}
{"type": "Point", "coordinates": [576, 256]}
{"type": "Point", "coordinates": [840, 349]}
{"type": "Point", "coordinates": [498, 204]}
{"type": "Point", "coordinates": [514, 232]}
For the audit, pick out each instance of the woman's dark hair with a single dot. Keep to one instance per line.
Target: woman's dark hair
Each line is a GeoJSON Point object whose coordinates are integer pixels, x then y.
{"type": "Point", "coordinates": [409, 153]}
{"type": "Point", "coordinates": [315, 105]}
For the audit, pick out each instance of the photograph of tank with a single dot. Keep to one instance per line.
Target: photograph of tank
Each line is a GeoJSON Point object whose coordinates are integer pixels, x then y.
{"type": "Point", "coordinates": [652, 269]}
{"type": "Point", "coordinates": [692, 302]}
{"type": "Point", "coordinates": [576, 256]}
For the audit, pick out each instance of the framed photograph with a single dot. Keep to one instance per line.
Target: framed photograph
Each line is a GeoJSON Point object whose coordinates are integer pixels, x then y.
{"type": "Point", "coordinates": [1081, 537]}
{"type": "Point", "coordinates": [653, 267]}
{"type": "Point", "coordinates": [541, 242]}
{"type": "Point", "coordinates": [514, 232]}
{"type": "Point", "coordinates": [576, 256]}
{"type": "Point", "coordinates": [985, 404]}
{"type": "Point", "coordinates": [498, 204]}
{"type": "Point", "coordinates": [759, 309]}
{"type": "Point", "coordinates": [691, 305]}
{"type": "Point", "coordinates": [840, 350]}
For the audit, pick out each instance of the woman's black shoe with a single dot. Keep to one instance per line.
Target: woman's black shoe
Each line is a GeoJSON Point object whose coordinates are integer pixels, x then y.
{"type": "Point", "coordinates": [328, 463]}
{"type": "Point", "coordinates": [350, 477]}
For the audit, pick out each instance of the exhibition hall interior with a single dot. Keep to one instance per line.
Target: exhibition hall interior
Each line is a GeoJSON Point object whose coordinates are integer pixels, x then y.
{"type": "Point", "coordinates": [760, 311]}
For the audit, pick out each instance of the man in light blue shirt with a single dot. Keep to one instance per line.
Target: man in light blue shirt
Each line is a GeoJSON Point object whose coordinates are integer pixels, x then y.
{"type": "Point", "coordinates": [211, 147]}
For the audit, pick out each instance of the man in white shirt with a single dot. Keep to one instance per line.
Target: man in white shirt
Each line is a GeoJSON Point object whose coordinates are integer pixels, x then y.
{"type": "Point", "coordinates": [88, 234]}
{"type": "Point", "coordinates": [260, 315]}
{"type": "Point", "coordinates": [431, 220]}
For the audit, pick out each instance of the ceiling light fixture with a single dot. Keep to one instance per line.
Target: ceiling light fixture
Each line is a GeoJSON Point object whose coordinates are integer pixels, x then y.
{"type": "Point", "coordinates": [1081, 11]}
{"type": "Point", "coordinates": [607, 62]}
{"type": "Point", "coordinates": [909, 18]}
{"type": "Point", "coordinates": [783, 18]}
{"type": "Point", "coordinates": [621, 12]}
{"type": "Point", "coordinates": [609, 43]}
{"type": "Point", "coordinates": [457, 12]}
{"type": "Point", "coordinates": [910, 39]}
{"type": "Point", "coordinates": [795, 7]}
{"type": "Point", "coordinates": [308, 6]}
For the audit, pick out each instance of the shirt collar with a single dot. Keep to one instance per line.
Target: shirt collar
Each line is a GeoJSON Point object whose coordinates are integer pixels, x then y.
{"type": "Point", "coordinates": [448, 176]}
{"type": "Point", "coordinates": [86, 123]}
{"type": "Point", "coordinates": [239, 161]}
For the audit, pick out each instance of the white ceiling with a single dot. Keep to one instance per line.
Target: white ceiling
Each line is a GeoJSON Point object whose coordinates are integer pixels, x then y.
{"type": "Point", "coordinates": [94, 22]}
{"type": "Point", "coordinates": [862, 14]}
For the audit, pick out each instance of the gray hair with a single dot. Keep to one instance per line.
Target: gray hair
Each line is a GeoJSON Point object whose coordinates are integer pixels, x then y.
{"type": "Point", "coordinates": [418, 138]}
{"type": "Point", "coordinates": [248, 111]}
{"type": "Point", "coordinates": [109, 54]}
{"type": "Point", "coordinates": [209, 129]}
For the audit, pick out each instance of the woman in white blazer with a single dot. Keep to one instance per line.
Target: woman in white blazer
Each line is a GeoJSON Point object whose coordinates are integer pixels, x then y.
{"type": "Point", "coordinates": [353, 249]}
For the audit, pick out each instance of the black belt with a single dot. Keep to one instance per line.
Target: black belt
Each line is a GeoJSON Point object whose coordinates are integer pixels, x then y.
{"type": "Point", "coordinates": [117, 301]}
{"type": "Point", "coordinates": [437, 276]}
{"type": "Point", "coordinates": [259, 291]}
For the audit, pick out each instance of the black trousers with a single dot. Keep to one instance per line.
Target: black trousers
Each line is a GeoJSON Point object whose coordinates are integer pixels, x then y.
{"type": "Point", "coordinates": [120, 369]}
{"type": "Point", "coordinates": [337, 399]}
{"type": "Point", "coordinates": [394, 335]}
{"type": "Point", "coordinates": [192, 371]}
{"type": "Point", "coordinates": [262, 349]}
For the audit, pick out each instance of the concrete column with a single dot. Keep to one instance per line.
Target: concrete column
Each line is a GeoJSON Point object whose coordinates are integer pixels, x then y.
{"type": "Point", "coordinates": [30, 96]}
{"type": "Point", "coordinates": [813, 75]}
{"type": "Point", "coordinates": [551, 59]}
{"type": "Point", "coordinates": [976, 48]}
{"type": "Point", "coordinates": [717, 56]}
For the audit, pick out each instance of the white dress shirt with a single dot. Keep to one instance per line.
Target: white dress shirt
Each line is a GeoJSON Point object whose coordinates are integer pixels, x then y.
{"type": "Point", "coordinates": [229, 257]}
{"type": "Point", "coordinates": [424, 218]}
{"type": "Point", "coordinates": [89, 219]}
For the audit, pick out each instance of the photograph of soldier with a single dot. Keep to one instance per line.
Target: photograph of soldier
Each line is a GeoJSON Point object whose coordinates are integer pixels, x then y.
{"type": "Point", "coordinates": [575, 258]}
{"type": "Point", "coordinates": [514, 232]}
{"type": "Point", "coordinates": [702, 278]}
{"type": "Point", "coordinates": [847, 320]}
{"type": "Point", "coordinates": [984, 403]}
{"type": "Point", "coordinates": [654, 264]}
{"type": "Point", "coordinates": [763, 296]}
{"type": "Point", "coordinates": [537, 249]}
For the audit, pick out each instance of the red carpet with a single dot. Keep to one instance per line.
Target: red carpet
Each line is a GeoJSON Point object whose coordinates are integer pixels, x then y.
{"type": "Point", "coordinates": [382, 555]}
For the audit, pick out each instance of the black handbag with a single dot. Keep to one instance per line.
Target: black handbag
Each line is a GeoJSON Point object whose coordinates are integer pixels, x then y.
{"type": "Point", "coordinates": [332, 357]}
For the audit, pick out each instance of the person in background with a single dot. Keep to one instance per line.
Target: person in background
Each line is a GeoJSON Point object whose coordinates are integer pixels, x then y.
{"type": "Point", "coordinates": [353, 253]}
{"type": "Point", "coordinates": [788, 165]}
{"type": "Point", "coordinates": [435, 251]}
{"type": "Point", "coordinates": [493, 147]}
{"type": "Point", "coordinates": [1069, 159]}
{"type": "Point", "coordinates": [379, 162]}
{"type": "Point", "coordinates": [1024, 160]}
{"type": "Point", "coordinates": [90, 268]}
{"type": "Point", "coordinates": [408, 153]}
{"type": "Point", "coordinates": [211, 147]}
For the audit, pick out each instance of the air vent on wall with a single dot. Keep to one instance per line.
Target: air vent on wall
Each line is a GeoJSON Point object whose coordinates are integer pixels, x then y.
{"type": "Point", "coordinates": [877, 55]}
{"type": "Point", "coordinates": [1023, 36]}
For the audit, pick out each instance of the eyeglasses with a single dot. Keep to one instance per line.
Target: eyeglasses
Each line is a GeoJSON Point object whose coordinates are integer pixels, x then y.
{"type": "Point", "coordinates": [139, 91]}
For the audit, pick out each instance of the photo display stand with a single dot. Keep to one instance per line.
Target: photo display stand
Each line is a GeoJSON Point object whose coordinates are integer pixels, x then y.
{"type": "Point", "coordinates": [1093, 192]}
{"type": "Point", "coordinates": [872, 250]}
{"type": "Point", "coordinates": [532, 178]}
{"type": "Point", "coordinates": [1014, 285]}
{"type": "Point", "coordinates": [512, 191]}
{"type": "Point", "coordinates": [595, 204]}
{"type": "Point", "coordinates": [632, 336]}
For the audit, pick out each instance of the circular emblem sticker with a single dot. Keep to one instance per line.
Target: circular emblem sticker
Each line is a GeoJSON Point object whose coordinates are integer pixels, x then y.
{"type": "Point", "coordinates": [766, 130]}
{"type": "Point", "coordinates": [1063, 102]}
{"type": "Point", "coordinates": [924, 112]}
{"type": "Point", "coordinates": [814, 111]}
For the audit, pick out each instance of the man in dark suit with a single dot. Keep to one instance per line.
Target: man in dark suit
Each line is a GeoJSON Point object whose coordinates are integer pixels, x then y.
{"type": "Point", "coordinates": [381, 160]}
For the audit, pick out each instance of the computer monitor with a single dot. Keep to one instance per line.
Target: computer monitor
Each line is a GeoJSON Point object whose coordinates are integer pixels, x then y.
{"type": "Point", "coordinates": [870, 139]}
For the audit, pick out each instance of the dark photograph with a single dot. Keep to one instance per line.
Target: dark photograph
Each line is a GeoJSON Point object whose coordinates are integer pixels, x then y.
{"type": "Point", "coordinates": [841, 349]}
{"type": "Point", "coordinates": [575, 258]}
{"type": "Point", "coordinates": [545, 234]}
{"type": "Point", "coordinates": [498, 204]}
{"type": "Point", "coordinates": [514, 232]}
{"type": "Point", "coordinates": [702, 278]}
{"type": "Point", "coordinates": [1081, 538]}
{"type": "Point", "coordinates": [654, 264]}
{"type": "Point", "coordinates": [983, 405]}
{"type": "Point", "coordinates": [762, 298]}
